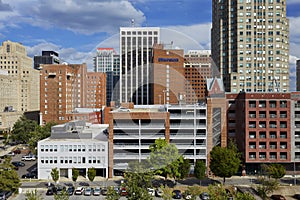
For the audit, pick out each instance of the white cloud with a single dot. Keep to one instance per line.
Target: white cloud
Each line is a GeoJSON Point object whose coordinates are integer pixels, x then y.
{"type": "Point", "coordinates": [86, 17]}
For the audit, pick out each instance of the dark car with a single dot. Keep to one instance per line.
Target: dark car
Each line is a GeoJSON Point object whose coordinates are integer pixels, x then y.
{"type": "Point", "coordinates": [5, 195]}
{"type": "Point", "coordinates": [29, 175]}
{"type": "Point", "coordinates": [277, 197]}
{"type": "Point", "coordinates": [60, 189]}
{"type": "Point", "coordinates": [177, 194]}
{"type": "Point", "coordinates": [296, 196]}
{"type": "Point", "coordinates": [51, 191]}
{"type": "Point", "coordinates": [71, 190]}
{"type": "Point", "coordinates": [17, 151]}
{"type": "Point", "coordinates": [204, 196]}
{"type": "Point", "coordinates": [104, 191]}
{"type": "Point", "coordinates": [18, 164]}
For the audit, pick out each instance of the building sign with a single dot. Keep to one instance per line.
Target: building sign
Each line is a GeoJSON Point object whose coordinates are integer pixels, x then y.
{"type": "Point", "coordinates": [168, 59]}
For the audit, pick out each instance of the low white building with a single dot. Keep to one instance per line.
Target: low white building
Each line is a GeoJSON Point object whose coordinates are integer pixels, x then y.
{"type": "Point", "coordinates": [77, 145]}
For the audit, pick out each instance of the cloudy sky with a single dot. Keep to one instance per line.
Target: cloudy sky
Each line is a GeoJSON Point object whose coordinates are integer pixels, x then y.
{"type": "Point", "coordinates": [75, 28]}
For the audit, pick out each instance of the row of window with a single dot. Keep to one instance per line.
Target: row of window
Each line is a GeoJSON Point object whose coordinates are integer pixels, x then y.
{"type": "Point", "coordinates": [72, 160]}
{"type": "Point", "coordinates": [272, 155]}
{"type": "Point", "coordinates": [73, 148]}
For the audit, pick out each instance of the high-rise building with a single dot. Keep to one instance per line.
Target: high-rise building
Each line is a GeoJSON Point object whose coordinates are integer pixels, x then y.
{"type": "Point", "coordinates": [18, 67]}
{"type": "Point", "coordinates": [198, 67]}
{"type": "Point", "coordinates": [298, 75]}
{"type": "Point", "coordinates": [64, 88]}
{"type": "Point", "coordinates": [136, 45]}
{"type": "Point", "coordinates": [167, 76]}
{"type": "Point", "coordinates": [250, 44]}
{"type": "Point", "coordinates": [47, 57]}
{"type": "Point", "coordinates": [108, 62]}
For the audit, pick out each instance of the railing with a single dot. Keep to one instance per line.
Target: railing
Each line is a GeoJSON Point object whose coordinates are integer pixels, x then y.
{"type": "Point", "coordinates": [273, 115]}
{"type": "Point", "coordinates": [297, 115]}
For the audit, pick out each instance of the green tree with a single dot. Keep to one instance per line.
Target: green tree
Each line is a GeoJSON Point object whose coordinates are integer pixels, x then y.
{"type": "Point", "coordinates": [62, 196]}
{"type": "Point", "coordinates": [22, 129]}
{"type": "Point", "coordinates": [9, 179]}
{"type": "Point", "coordinates": [167, 193]}
{"type": "Point", "coordinates": [200, 170]}
{"type": "Point", "coordinates": [75, 174]}
{"type": "Point", "coordinates": [165, 159]}
{"type": "Point", "coordinates": [276, 171]}
{"type": "Point", "coordinates": [225, 161]}
{"type": "Point", "coordinates": [91, 174]}
{"type": "Point", "coordinates": [112, 194]}
{"type": "Point", "coordinates": [194, 191]}
{"type": "Point", "coordinates": [266, 187]}
{"type": "Point", "coordinates": [33, 195]}
{"type": "Point", "coordinates": [55, 174]}
{"type": "Point", "coordinates": [184, 167]}
{"type": "Point", "coordinates": [244, 196]}
{"type": "Point", "coordinates": [138, 178]}
{"type": "Point", "coordinates": [217, 192]}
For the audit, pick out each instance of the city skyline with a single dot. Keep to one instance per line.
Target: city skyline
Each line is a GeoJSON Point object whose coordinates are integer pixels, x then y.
{"type": "Point", "coordinates": [75, 29]}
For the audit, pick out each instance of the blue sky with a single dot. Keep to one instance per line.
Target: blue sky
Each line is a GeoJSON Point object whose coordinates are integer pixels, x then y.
{"type": "Point", "coordinates": [75, 28]}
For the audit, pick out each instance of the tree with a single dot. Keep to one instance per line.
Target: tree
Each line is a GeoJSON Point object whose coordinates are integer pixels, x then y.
{"type": "Point", "coordinates": [194, 191]}
{"type": "Point", "coordinates": [22, 129]}
{"type": "Point", "coordinates": [55, 174]}
{"type": "Point", "coordinates": [244, 196]}
{"type": "Point", "coordinates": [184, 168]}
{"type": "Point", "coordinates": [276, 171]}
{"type": "Point", "coordinates": [138, 178]}
{"type": "Point", "coordinates": [91, 174]}
{"type": "Point", "coordinates": [62, 196]}
{"type": "Point", "coordinates": [200, 170]}
{"type": "Point", "coordinates": [167, 193]}
{"type": "Point", "coordinates": [165, 159]}
{"type": "Point", "coordinates": [33, 195]}
{"type": "Point", "coordinates": [266, 187]}
{"type": "Point", "coordinates": [9, 179]}
{"type": "Point", "coordinates": [217, 192]}
{"type": "Point", "coordinates": [112, 194]}
{"type": "Point", "coordinates": [75, 174]}
{"type": "Point", "coordinates": [225, 161]}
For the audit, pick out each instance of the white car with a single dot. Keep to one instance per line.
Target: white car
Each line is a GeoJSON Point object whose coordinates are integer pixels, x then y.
{"type": "Point", "coordinates": [28, 158]}
{"type": "Point", "coordinates": [79, 191]}
{"type": "Point", "coordinates": [151, 191]}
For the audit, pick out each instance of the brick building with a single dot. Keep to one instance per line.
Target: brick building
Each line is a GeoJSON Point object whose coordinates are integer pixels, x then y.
{"type": "Point", "coordinates": [168, 76]}
{"type": "Point", "coordinates": [67, 87]}
{"type": "Point", "coordinates": [261, 125]}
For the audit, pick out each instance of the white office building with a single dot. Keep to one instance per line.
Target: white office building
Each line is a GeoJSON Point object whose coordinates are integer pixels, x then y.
{"type": "Point", "coordinates": [77, 145]}
{"type": "Point", "coordinates": [136, 45]}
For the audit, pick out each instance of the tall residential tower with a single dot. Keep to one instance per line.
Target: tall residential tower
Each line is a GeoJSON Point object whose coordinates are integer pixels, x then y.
{"type": "Point", "coordinates": [250, 44]}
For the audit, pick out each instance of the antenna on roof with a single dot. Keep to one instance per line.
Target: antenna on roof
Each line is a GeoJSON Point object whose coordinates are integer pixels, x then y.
{"type": "Point", "coordinates": [132, 22]}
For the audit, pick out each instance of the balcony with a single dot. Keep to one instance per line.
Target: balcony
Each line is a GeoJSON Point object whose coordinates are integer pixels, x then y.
{"type": "Point", "coordinates": [297, 115]}
{"type": "Point", "coordinates": [252, 136]}
{"type": "Point", "coordinates": [273, 115]}
{"type": "Point", "coordinates": [252, 115]}
{"type": "Point", "coordinates": [262, 115]}
{"type": "Point", "coordinates": [254, 126]}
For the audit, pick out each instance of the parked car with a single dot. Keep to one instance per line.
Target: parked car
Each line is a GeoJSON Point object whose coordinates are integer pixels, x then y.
{"type": "Point", "coordinates": [97, 191]}
{"type": "Point", "coordinates": [177, 194]}
{"type": "Point", "coordinates": [51, 191]}
{"type": "Point", "coordinates": [88, 191]}
{"type": "Point", "coordinates": [29, 175]}
{"type": "Point", "coordinates": [296, 196]}
{"type": "Point", "coordinates": [187, 195]}
{"type": "Point", "coordinates": [71, 190]}
{"type": "Point", "coordinates": [10, 154]}
{"type": "Point", "coordinates": [17, 151]}
{"type": "Point", "coordinates": [204, 196]}
{"type": "Point", "coordinates": [277, 197]}
{"type": "Point", "coordinates": [104, 191]}
{"type": "Point", "coordinates": [5, 195]}
{"type": "Point", "coordinates": [117, 189]}
{"type": "Point", "coordinates": [151, 191]}
{"type": "Point", "coordinates": [123, 191]}
{"type": "Point", "coordinates": [60, 189]}
{"type": "Point", "coordinates": [18, 164]}
{"type": "Point", "coordinates": [79, 190]}
{"type": "Point", "coordinates": [28, 158]}
{"type": "Point", "coordinates": [159, 192]}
